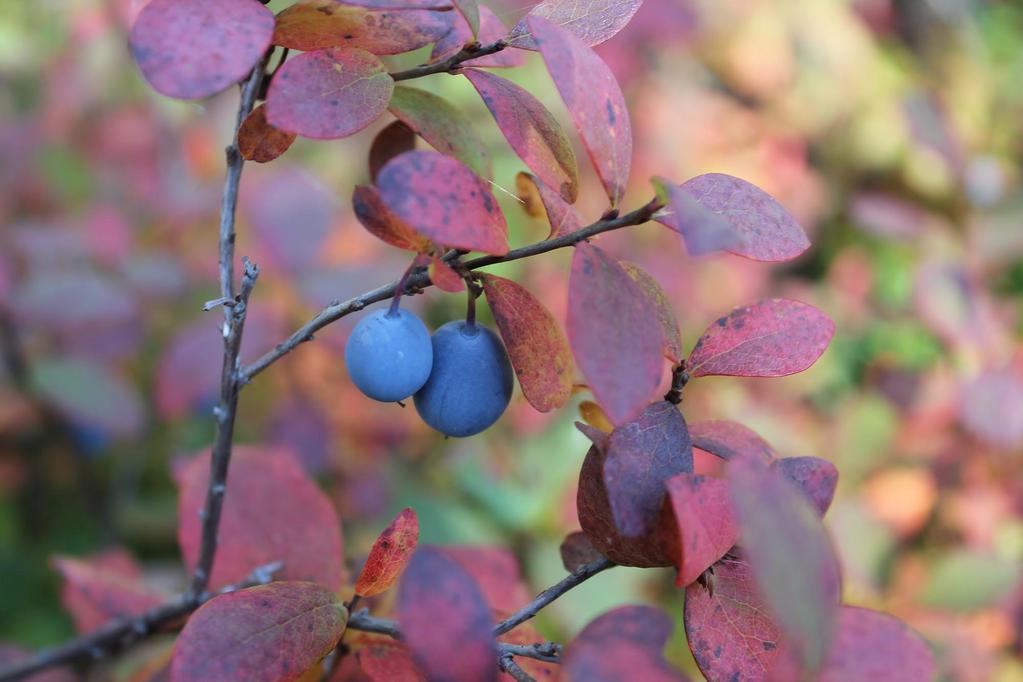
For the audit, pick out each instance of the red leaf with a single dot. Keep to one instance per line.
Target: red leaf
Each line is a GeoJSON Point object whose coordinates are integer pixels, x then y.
{"type": "Point", "coordinates": [328, 94]}
{"type": "Point", "coordinates": [496, 572]}
{"type": "Point", "coordinates": [730, 632]}
{"type": "Point", "coordinates": [594, 510]}
{"type": "Point", "coordinates": [443, 125]}
{"type": "Point", "coordinates": [592, 21]}
{"type": "Point", "coordinates": [397, 138]}
{"type": "Point", "coordinates": [614, 333]}
{"type": "Point", "coordinates": [624, 644]}
{"type": "Point", "coordinates": [390, 553]}
{"type": "Point", "coordinates": [446, 622]}
{"type": "Point", "coordinates": [641, 456]}
{"type": "Point", "coordinates": [320, 24]}
{"type": "Point", "coordinates": [729, 440]}
{"type": "Point", "coordinates": [577, 550]}
{"type": "Point", "coordinates": [765, 229]}
{"type": "Point", "coordinates": [665, 312]}
{"type": "Point", "coordinates": [96, 590]}
{"type": "Point", "coordinates": [536, 345]}
{"type": "Point", "coordinates": [816, 477]}
{"type": "Point", "coordinates": [531, 130]}
{"type": "Point", "coordinates": [444, 200]}
{"type": "Point", "coordinates": [191, 49]}
{"type": "Point", "coordinates": [491, 30]}
{"type": "Point", "coordinates": [770, 338]}
{"type": "Point", "coordinates": [706, 523]}
{"type": "Point", "coordinates": [388, 661]}
{"type": "Point", "coordinates": [594, 101]}
{"type": "Point", "coordinates": [874, 646]}
{"type": "Point", "coordinates": [273, 632]}
{"type": "Point", "coordinates": [259, 141]}
{"type": "Point", "coordinates": [382, 223]}
{"type": "Point", "coordinates": [703, 230]}
{"type": "Point", "coordinates": [541, 200]}
{"type": "Point", "coordinates": [272, 512]}
{"type": "Point", "coordinates": [794, 564]}
{"type": "Point", "coordinates": [470, 11]}
{"type": "Point", "coordinates": [445, 277]}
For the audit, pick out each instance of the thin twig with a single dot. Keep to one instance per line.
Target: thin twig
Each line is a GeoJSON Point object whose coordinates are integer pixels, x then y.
{"type": "Point", "coordinates": [421, 280]}
{"type": "Point", "coordinates": [452, 63]}
{"type": "Point", "coordinates": [541, 600]}
{"type": "Point", "coordinates": [508, 665]}
{"type": "Point", "coordinates": [119, 634]}
{"type": "Point", "coordinates": [234, 325]}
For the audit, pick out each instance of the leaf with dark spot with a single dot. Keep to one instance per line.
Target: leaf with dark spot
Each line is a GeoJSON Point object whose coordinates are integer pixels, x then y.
{"type": "Point", "coordinates": [444, 126]}
{"type": "Point", "coordinates": [770, 338]}
{"type": "Point", "coordinates": [270, 633]}
{"type": "Point", "coordinates": [614, 333]}
{"type": "Point", "coordinates": [816, 477]}
{"type": "Point", "coordinates": [531, 130]}
{"type": "Point", "coordinates": [389, 554]}
{"type": "Point", "coordinates": [191, 49]}
{"type": "Point", "coordinates": [328, 94]}
{"type": "Point", "coordinates": [442, 199]}
{"type": "Point", "coordinates": [445, 620]}
{"type": "Point", "coordinates": [320, 24]}
{"type": "Point", "coordinates": [594, 101]}
{"type": "Point", "coordinates": [536, 345]}
{"type": "Point", "coordinates": [624, 644]}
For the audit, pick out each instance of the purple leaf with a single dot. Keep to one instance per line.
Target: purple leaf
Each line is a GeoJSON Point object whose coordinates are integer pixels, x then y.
{"type": "Point", "coordinates": [816, 477]}
{"type": "Point", "coordinates": [702, 230]}
{"type": "Point", "coordinates": [624, 644]}
{"type": "Point", "coordinates": [729, 440]}
{"type": "Point", "coordinates": [491, 30]}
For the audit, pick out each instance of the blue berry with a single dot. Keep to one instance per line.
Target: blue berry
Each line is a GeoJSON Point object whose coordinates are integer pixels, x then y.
{"type": "Point", "coordinates": [389, 355]}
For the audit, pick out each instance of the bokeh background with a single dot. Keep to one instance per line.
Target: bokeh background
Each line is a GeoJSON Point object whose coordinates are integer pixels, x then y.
{"type": "Point", "coordinates": [893, 129]}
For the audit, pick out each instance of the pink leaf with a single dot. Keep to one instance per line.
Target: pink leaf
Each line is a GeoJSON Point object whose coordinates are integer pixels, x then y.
{"type": "Point", "coordinates": [665, 313]}
{"type": "Point", "coordinates": [614, 334]}
{"type": "Point", "coordinates": [592, 21]}
{"type": "Point", "coordinates": [624, 644]}
{"type": "Point", "coordinates": [95, 592]}
{"type": "Point", "coordinates": [594, 101]}
{"type": "Point", "coordinates": [495, 571]}
{"type": "Point", "coordinates": [531, 130]}
{"type": "Point", "coordinates": [816, 477]}
{"type": "Point", "coordinates": [445, 277]}
{"type": "Point", "coordinates": [641, 456]}
{"type": "Point", "coordinates": [702, 230]}
{"type": "Point", "coordinates": [729, 440]}
{"type": "Point", "coordinates": [794, 565]}
{"type": "Point", "coordinates": [770, 338]}
{"type": "Point", "coordinates": [191, 49]}
{"type": "Point", "coordinates": [379, 221]}
{"type": "Point", "coordinates": [491, 30]}
{"type": "Point", "coordinates": [445, 620]}
{"type": "Point", "coordinates": [541, 200]}
{"type": "Point", "coordinates": [766, 231]}
{"type": "Point", "coordinates": [444, 200]}
{"type": "Point", "coordinates": [874, 646]}
{"type": "Point", "coordinates": [706, 523]}
{"type": "Point", "coordinates": [990, 407]}
{"type": "Point", "coordinates": [328, 94]}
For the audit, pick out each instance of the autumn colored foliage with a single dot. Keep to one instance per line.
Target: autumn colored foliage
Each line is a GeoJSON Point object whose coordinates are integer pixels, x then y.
{"type": "Point", "coordinates": [454, 191]}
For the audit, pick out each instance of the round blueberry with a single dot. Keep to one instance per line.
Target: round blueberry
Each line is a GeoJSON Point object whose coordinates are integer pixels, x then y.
{"type": "Point", "coordinates": [471, 382]}
{"type": "Point", "coordinates": [389, 355]}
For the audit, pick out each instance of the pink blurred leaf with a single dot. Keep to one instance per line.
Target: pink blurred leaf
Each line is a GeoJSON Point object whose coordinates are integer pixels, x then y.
{"type": "Point", "coordinates": [614, 334]}
{"type": "Point", "coordinates": [706, 523]}
{"type": "Point", "coordinates": [89, 394]}
{"type": "Point", "coordinates": [328, 94]}
{"type": "Point", "coordinates": [624, 644]}
{"type": "Point", "coordinates": [875, 646]}
{"type": "Point", "coordinates": [445, 620]}
{"type": "Point", "coordinates": [816, 477]}
{"type": "Point", "coordinates": [443, 125]}
{"type": "Point", "coordinates": [592, 21]}
{"type": "Point", "coordinates": [270, 633]}
{"type": "Point", "coordinates": [470, 11]}
{"type": "Point", "coordinates": [540, 200]}
{"type": "Point", "coordinates": [321, 24]}
{"type": "Point", "coordinates": [191, 49]}
{"type": "Point", "coordinates": [495, 571]}
{"type": "Point", "coordinates": [992, 407]}
{"type": "Point", "coordinates": [770, 338]}
{"type": "Point", "coordinates": [274, 512]}
{"type": "Point", "coordinates": [491, 30]}
{"type": "Point", "coordinates": [766, 231]}
{"type": "Point", "coordinates": [11, 654]}
{"type": "Point", "coordinates": [96, 590]}
{"type": "Point", "coordinates": [445, 277]}
{"type": "Point", "coordinates": [794, 564]}
{"type": "Point", "coordinates": [594, 101]}
{"type": "Point", "coordinates": [729, 440]}
{"type": "Point", "coordinates": [665, 313]}
{"type": "Point", "coordinates": [703, 230]}
{"type": "Point", "coordinates": [531, 130]}
{"type": "Point", "coordinates": [442, 199]}
{"type": "Point", "coordinates": [641, 456]}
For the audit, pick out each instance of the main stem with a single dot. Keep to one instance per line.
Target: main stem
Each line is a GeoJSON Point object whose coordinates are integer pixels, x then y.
{"type": "Point", "coordinates": [234, 324]}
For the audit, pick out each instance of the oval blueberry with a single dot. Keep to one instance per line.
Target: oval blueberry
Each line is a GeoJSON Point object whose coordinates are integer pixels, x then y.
{"type": "Point", "coordinates": [389, 355]}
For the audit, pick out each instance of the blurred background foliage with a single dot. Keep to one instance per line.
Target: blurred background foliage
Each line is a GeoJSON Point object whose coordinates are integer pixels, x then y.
{"type": "Point", "coordinates": [893, 129]}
